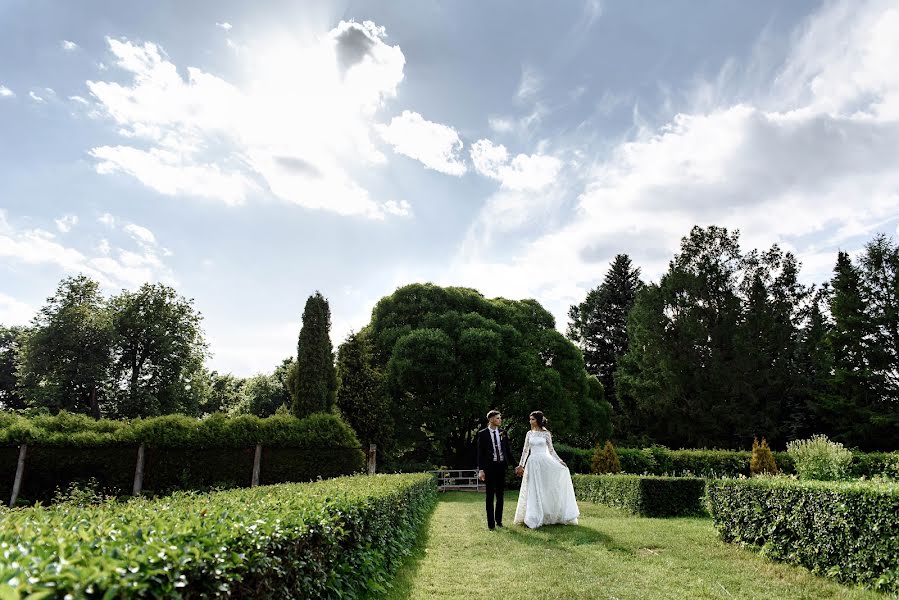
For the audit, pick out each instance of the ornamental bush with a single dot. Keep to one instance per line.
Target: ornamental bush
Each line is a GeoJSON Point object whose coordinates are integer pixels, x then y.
{"type": "Point", "coordinates": [646, 496]}
{"type": "Point", "coordinates": [846, 530]}
{"type": "Point", "coordinates": [338, 538]}
{"type": "Point", "coordinates": [821, 459]}
{"type": "Point", "coordinates": [605, 459]}
{"type": "Point", "coordinates": [762, 461]}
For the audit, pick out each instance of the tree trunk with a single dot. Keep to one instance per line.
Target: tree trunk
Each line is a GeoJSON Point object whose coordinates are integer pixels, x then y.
{"type": "Point", "coordinates": [95, 406]}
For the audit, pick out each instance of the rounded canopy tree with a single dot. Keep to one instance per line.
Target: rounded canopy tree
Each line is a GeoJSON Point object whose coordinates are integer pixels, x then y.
{"type": "Point", "coordinates": [448, 355]}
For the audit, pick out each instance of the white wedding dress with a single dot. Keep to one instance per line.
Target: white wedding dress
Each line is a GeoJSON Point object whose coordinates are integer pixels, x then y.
{"type": "Point", "coordinates": [547, 495]}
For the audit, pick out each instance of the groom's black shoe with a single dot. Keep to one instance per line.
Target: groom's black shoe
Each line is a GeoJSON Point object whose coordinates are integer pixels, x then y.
{"type": "Point", "coordinates": [499, 524]}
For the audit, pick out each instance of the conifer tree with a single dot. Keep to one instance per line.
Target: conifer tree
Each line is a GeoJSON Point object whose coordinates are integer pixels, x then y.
{"type": "Point", "coordinates": [316, 379]}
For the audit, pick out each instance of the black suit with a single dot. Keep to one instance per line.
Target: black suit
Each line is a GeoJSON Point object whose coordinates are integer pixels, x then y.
{"type": "Point", "coordinates": [494, 471]}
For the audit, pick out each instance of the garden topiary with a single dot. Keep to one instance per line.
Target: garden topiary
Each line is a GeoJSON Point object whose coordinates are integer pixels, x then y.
{"type": "Point", "coordinates": [762, 461]}
{"type": "Point", "coordinates": [605, 459]}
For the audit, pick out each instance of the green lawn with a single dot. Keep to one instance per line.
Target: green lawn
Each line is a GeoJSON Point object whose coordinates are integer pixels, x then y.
{"type": "Point", "coordinates": [609, 555]}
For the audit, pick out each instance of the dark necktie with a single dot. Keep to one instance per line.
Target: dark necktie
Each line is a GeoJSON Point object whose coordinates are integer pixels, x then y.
{"type": "Point", "coordinates": [495, 445]}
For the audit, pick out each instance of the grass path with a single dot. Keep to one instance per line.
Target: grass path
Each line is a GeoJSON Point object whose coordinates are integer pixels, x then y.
{"type": "Point", "coordinates": [609, 555]}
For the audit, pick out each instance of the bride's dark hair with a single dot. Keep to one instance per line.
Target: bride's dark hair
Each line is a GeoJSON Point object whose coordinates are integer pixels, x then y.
{"type": "Point", "coordinates": [541, 420]}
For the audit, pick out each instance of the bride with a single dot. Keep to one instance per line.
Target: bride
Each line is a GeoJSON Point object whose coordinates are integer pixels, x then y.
{"type": "Point", "coordinates": [547, 495]}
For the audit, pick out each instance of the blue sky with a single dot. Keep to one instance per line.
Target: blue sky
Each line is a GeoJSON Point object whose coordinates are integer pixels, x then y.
{"type": "Point", "coordinates": [251, 153]}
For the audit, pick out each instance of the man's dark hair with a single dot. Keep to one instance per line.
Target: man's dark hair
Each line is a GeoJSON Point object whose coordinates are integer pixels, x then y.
{"type": "Point", "coordinates": [492, 414]}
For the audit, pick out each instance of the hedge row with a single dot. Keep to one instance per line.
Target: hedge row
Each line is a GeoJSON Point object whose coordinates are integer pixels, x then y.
{"type": "Point", "coordinates": [846, 530]}
{"type": "Point", "coordinates": [169, 431]}
{"type": "Point", "coordinates": [336, 538]}
{"type": "Point", "coordinates": [658, 460]}
{"type": "Point", "coordinates": [59, 453]}
{"type": "Point", "coordinates": [645, 496]}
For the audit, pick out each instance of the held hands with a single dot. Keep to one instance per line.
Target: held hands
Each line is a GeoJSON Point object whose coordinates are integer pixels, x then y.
{"type": "Point", "coordinates": [482, 476]}
{"type": "Point", "coordinates": [519, 471]}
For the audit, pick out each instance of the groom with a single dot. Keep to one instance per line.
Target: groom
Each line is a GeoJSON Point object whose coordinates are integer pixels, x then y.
{"type": "Point", "coordinates": [494, 457]}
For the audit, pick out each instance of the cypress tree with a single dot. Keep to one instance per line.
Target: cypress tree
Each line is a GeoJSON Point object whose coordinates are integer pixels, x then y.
{"type": "Point", "coordinates": [599, 323]}
{"type": "Point", "coordinates": [316, 378]}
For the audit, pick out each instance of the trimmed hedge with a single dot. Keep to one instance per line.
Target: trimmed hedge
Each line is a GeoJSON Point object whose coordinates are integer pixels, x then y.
{"type": "Point", "coordinates": [645, 496]}
{"type": "Point", "coordinates": [336, 538]}
{"type": "Point", "coordinates": [172, 431]}
{"type": "Point", "coordinates": [181, 452]}
{"type": "Point", "coordinates": [846, 530]}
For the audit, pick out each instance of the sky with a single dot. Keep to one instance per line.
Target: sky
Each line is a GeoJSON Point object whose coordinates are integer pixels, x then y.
{"type": "Point", "coordinates": [249, 154]}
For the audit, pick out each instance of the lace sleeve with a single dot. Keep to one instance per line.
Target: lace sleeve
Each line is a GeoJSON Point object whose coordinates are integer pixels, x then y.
{"type": "Point", "coordinates": [549, 445]}
{"type": "Point", "coordinates": [526, 450]}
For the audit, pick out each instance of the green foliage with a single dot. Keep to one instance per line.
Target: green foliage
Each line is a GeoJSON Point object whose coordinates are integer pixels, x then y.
{"type": "Point", "coordinates": [158, 352]}
{"type": "Point", "coordinates": [11, 339]}
{"type": "Point", "coordinates": [337, 538]}
{"type": "Point", "coordinates": [361, 397]}
{"type": "Point", "coordinates": [316, 377]}
{"type": "Point", "coordinates": [65, 359]}
{"type": "Point", "coordinates": [449, 355]}
{"type": "Point", "coordinates": [642, 495]}
{"type": "Point", "coordinates": [762, 461]}
{"type": "Point", "coordinates": [821, 459]}
{"type": "Point", "coordinates": [605, 459]}
{"type": "Point", "coordinates": [598, 325]}
{"type": "Point", "coordinates": [182, 452]}
{"type": "Point", "coordinates": [838, 529]}
{"type": "Point", "coordinates": [137, 354]}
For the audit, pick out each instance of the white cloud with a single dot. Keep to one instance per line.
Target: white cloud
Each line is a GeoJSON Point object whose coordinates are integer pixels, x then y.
{"type": "Point", "coordinates": [436, 146]}
{"type": "Point", "coordinates": [14, 312]}
{"type": "Point", "coordinates": [226, 26]}
{"type": "Point", "coordinates": [5, 92]}
{"type": "Point", "coordinates": [165, 172]}
{"type": "Point", "coordinates": [68, 46]}
{"type": "Point", "coordinates": [107, 219]}
{"type": "Point", "coordinates": [813, 159]}
{"type": "Point", "coordinates": [529, 84]}
{"type": "Point", "coordinates": [79, 100]}
{"type": "Point", "coordinates": [300, 126]}
{"type": "Point", "coordinates": [36, 98]}
{"type": "Point", "coordinates": [65, 223]}
{"type": "Point", "coordinates": [142, 235]}
{"type": "Point", "coordinates": [129, 268]}
{"type": "Point", "coordinates": [523, 172]}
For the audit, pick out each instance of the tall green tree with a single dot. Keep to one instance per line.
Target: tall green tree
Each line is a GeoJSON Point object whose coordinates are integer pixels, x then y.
{"type": "Point", "coordinates": [814, 365]}
{"type": "Point", "coordinates": [361, 396]}
{"type": "Point", "coordinates": [159, 352]}
{"type": "Point", "coordinates": [449, 355]}
{"type": "Point", "coordinates": [11, 339]}
{"type": "Point", "coordinates": [767, 343]}
{"type": "Point", "coordinates": [880, 278]}
{"type": "Point", "coordinates": [679, 368]}
{"type": "Point", "coordinates": [316, 378]}
{"type": "Point", "coordinates": [598, 325]}
{"type": "Point", "coordinates": [66, 359]}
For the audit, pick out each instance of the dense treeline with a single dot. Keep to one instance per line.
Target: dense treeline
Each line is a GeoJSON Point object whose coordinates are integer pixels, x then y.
{"type": "Point", "coordinates": [726, 346]}
{"type": "Point", "coordinates": [136, 354]}
{"type": "Point", "coordinates": [729, 345]}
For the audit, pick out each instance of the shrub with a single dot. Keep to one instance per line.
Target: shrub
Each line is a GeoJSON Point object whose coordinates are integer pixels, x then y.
{"type": "Point", "coordinates": [637, 461]}
{"type": "Point", "coordinates": [605, 459]}
{"type": "Point", "coordinates": [577, 459]}
{"type": "Point", "coordinates": [846, 530]}
{"type": "Point", "coordinates": [875, 464]}
{"type": "Point", "coordinates": [181, 452]}
{"type": "Point", "coordinates": [821, 459]}
{"type": "Point", "coordinates": [336, 538]}
{"type": "Point", "coordinates": [762, 461]}
{"type": "Point", "coordinates": [646, 496]}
